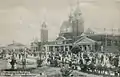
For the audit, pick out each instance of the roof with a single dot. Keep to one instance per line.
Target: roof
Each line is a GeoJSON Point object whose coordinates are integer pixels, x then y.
{"type": "Point", "coordinates": [15, 45]}
{"type": "Point", "coordinates": [68, 35]}
{"type": "Point", "coordinates": [111, 49]}
{"type": "Point", "coordinates": [61, 38]}
{"type": "Point", "coordinates": [89, 31]}
{"type": "Point", "coordinates": [66, 27]}
{"type": "Point", "coordinates": [51, 43]}
{"type": "Point", "coordinates": [99, 37]}
{"type": "Point", "coordinates": [85, 40]}
{"type": "Point", "coordinates": [107, 31]}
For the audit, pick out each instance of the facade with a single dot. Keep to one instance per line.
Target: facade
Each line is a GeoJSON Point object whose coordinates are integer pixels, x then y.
{"type": "Point", "coordinates": [35, 47]}
{"type": "Point", "coordinates": [109, 42]}
{"type": "Point", "coordinates": [70, 34]}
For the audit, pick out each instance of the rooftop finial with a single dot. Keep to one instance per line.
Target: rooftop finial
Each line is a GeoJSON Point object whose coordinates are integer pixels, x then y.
{"type": "Point", "coordinates": [71, 10]}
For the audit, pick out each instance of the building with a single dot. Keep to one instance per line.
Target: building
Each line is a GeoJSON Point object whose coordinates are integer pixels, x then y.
{"type": "Point", "coordinates": [74, 26]}
{"type": "Point", "coordinates": [110, 41]}
{"type": "Point", "coordinates": [20, 52]}
{"type": "Point", "coordinates": [16, 49]}
{"type": "Point", "coordinates": [44, 33]}
{"type": "Point", "coordinates": [70, 31]}
{"type": "Point", "coordinates": [36, 45]}
{"type": "Point", "coordinates": [72, 34]}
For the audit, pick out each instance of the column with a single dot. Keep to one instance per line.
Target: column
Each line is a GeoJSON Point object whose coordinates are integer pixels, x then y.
{"type": "Point", "coordinates": [68, 48]}
{"type": "Point", "coordinates": [79, 56]}
{"type": "Point", "coordinates": [59, 48]}
{"type": "Point", "coordinates": [91, 47]}
{"type": "Point", "coordinates": [47, 48]}
{"type": "Point", "coordinates": [87, 47]}
{"type": "Point", "coordinates": [64, 48]}
{"type": "Point", "coordinates": [82, 47]}
{"type": "Point", "coordinates": [53, 48]}
{"type": "Point", "coordinates": [119, 61]}
{"type": "Point", "coordinates": [102, 48]}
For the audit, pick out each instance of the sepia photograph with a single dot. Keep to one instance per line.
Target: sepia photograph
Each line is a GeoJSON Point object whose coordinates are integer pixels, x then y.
{"type": "Point", "coordinates": [59, 38]}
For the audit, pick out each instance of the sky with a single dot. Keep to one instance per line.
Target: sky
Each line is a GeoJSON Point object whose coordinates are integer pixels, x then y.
{"type": "Point", "coordinates": [20, 20]}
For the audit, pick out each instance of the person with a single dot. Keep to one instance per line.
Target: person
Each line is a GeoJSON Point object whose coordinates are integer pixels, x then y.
{"type": "Point", "coordinates": [116, 61]}
{"type": "Point", "coordinates": [13, 62]}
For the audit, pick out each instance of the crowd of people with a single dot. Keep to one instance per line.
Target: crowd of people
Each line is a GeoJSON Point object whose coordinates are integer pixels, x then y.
{"type": "Point", "coordinates": [90, 62]}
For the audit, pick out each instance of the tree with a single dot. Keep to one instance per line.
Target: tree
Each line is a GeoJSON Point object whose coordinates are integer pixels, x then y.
{"type": "Point", "coordinates": [76, 50]}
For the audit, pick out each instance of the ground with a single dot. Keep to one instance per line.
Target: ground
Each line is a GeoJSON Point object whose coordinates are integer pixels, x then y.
{"type": "Point", "coordinates": [54, 70]}
{"type": "Point", "coordinates": [49, 70]}
{"type": "Point", "coordinates": [3, 64]}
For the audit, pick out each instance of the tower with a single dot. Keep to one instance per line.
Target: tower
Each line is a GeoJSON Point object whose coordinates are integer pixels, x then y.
{"type": "Point", "coordinates": [77, 21]}
{"type": "Point", "coordinates": [44, 33]}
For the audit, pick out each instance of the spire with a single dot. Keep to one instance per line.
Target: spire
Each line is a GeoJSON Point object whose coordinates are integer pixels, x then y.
{"type": "Point", "coordinates": [44, 25]}
{"type": "Point", "coordinates": [78, 3]}
{"type": "Point", "coordinates": [77, 11]}
{"type": "Point", "coordinates": [71, 11]}
{"type": "Point", "coordinates": [44, 14]}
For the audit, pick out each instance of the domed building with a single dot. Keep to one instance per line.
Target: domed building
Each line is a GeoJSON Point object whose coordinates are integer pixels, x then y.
{"type": "Point", "coordinates": [74, 26]}
{"type": "Point", "coordinates": [72, 34]}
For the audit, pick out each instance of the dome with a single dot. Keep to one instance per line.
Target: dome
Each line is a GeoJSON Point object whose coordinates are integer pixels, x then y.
{"type": "Point", "coordinates": [66, 27]}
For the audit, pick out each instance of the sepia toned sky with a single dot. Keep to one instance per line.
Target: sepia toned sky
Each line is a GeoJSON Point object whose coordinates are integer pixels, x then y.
{"type": "Point", "coordinates": [20, 20]}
